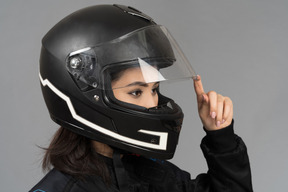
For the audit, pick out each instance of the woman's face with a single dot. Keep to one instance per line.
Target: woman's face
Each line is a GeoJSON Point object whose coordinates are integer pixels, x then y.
{"type": "Point", "coordinates": [134, 89]}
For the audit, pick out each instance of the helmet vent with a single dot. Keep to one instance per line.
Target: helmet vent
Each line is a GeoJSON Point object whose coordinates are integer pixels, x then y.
{"type": "Point", "coordinates": [133, 11]}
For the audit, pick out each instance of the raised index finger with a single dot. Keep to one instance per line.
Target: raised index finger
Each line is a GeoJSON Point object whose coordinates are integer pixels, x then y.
{"type": "Point", "coordinates": [198, 87]}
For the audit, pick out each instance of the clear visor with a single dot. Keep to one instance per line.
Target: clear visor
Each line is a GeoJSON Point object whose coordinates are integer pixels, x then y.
{"type": "Point", "coordinates": [147, 55]}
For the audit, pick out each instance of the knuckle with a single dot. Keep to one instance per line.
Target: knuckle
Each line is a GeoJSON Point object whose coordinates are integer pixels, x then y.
{"type": "Point", "coordinates": [220, 98]}
{"type": "Point", "coordinates": [228, 101]}
{"type": "Point", "coordinates": [212, 93]}
{"type": "Point", "coordinates": [220, 101]}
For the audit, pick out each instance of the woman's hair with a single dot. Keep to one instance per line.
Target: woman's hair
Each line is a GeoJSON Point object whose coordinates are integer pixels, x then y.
{"type": "Point", "coordinates": [74, 154]}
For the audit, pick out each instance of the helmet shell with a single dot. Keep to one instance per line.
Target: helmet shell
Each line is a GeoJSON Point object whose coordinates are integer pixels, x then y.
{"type": "Point", "coordinates": [93, 112]}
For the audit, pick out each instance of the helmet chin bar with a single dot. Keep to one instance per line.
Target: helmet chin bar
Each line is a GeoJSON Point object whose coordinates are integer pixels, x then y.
{"type": "Point", "coordinates": [166, 106]}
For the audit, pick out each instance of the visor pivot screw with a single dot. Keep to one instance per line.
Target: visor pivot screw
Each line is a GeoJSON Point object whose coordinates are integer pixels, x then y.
{"type": "Point", "coordinates": [96, 97]}
{"type": "Point", "coordinates": [75, 62]}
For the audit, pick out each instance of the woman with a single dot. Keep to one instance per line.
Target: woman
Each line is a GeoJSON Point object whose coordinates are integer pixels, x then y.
{"type": "Point", "coordinates": [100, 70]}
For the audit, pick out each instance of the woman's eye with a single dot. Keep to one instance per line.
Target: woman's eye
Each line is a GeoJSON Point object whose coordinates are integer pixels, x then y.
{"type": "Point", "coordinates": [154, 91]}
{"type": "Point", "coordinates": [136, 93]}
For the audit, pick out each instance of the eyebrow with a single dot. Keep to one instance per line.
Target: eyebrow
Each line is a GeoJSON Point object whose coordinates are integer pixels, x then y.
{"type": "Point", "coordinates": [140, 83]}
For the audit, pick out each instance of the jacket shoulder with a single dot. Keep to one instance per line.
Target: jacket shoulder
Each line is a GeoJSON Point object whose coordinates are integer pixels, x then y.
{"type": "Point", "coordinates": [54, 181]}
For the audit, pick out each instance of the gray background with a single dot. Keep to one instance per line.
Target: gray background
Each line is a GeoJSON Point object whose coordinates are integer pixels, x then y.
{"type": "Point", "coordinates": [239, 47]}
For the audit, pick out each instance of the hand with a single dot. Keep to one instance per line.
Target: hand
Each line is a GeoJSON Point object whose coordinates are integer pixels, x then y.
{"type": "Point", "coordinates": [215, 110]}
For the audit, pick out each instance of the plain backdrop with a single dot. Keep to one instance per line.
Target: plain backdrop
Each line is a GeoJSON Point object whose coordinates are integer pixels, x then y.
{"type": "Point", "coordinates": [240, 48]}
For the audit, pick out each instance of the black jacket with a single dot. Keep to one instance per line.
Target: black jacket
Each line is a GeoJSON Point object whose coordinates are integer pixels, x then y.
{"type": "Point", "coordinates": [226, 155]}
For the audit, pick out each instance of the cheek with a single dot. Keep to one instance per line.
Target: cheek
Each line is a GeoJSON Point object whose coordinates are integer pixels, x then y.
{"type": "Point", "coordinates": [123, 96]}
{"type": "Point", "coordinates": [156, 99]}
{"type": "Point", "coordinates": [118, 94]}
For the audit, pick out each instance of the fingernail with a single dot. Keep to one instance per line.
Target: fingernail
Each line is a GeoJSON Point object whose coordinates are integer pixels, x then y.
{"type": "Point", "coordinates": [223, 121]}
{"type": "Point", "coordinates": [196, 78]}
{"type": "Point", "coordinates": [213, 115]}
{"type": "Point", "coordinates": [218, 124]}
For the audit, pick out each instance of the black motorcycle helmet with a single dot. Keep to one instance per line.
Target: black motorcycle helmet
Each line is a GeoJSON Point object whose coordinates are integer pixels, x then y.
{"type": "Point", "coordinates": [79, 57]}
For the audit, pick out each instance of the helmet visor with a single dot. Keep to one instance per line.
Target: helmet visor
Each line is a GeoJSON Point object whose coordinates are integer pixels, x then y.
{"type": "Point", "coordinates": [151, 51]}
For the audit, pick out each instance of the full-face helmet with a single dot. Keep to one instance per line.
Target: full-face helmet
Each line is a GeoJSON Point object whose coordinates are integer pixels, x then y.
{"type": "Point", "coordinates": [79, 59]}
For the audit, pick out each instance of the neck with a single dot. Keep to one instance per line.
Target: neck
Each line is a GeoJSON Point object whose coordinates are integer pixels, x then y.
{"type": "Point", "coordinates": [103, 149]}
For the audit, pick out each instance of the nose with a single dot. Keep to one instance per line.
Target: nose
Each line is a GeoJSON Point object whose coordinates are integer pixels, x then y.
{"type": "Point", "coordinates": [150, 101]}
